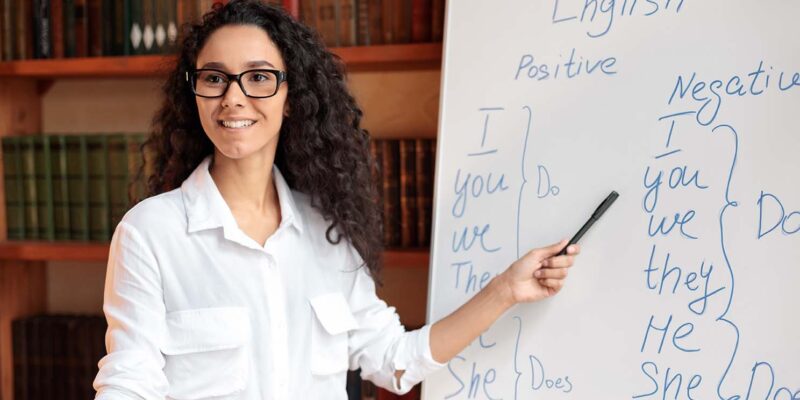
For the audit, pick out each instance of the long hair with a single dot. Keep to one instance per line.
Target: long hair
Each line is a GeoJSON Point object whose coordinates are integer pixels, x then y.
{"type": "Point", "coordinates": [322, 149]}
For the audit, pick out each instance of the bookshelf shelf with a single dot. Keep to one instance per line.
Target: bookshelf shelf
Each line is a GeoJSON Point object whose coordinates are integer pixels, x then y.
{"type": "Point", "coordinates": [98, 252]}
{"type": "Point", "coordinates": [362, 58]}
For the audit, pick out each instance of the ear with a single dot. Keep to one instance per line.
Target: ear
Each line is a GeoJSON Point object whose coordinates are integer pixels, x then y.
{"type": "Point", "coordinates": [286, 110]}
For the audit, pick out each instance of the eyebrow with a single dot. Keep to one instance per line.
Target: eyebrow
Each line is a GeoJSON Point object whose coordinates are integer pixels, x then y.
{"type": "Point", "coordinates": [251, 64]}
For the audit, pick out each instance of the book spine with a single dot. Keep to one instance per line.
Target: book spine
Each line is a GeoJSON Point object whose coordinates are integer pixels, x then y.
{"type": "Point", "coordinates": [149, 26]}
{"type": "Point", "coordinates": [41, 29]}
{"type": "Point", "coordinates": [69, 28]}
{"type": "Point", "coordinates": [15, 202]}
{"type": "Point", "coordinates": [94, 22]}
{"type": "Point", "coordinates": [137, 184]}
{"type": "Point", "coordinates": [346, 22]}
{"type": "Point", "coordinates": [29, 187]}
{"type": "Point", "coordinates": [60, 189]}
{"type": "Point", "coordinates": [57, 27]}
{"type": "Point", "coordinates": [19, 332]}
{"type": "Point", "coordinates": [327, 22]}
{"type": "Point", "coordinates": [7, 28]}
{"type": "Point", "coordinates": [388, 12]}
{"type": "Point", "coordinates": [136, 29]}
{"type": "Point", "coordinates": [24, 38]}
{"type": "Point", "coordinates": [408, 215]}
{"type": "Point", "coordinates": [375, 21]}
{"type": "Point", "coordinates": [421, 21]}
{"type": "Point", "coordinates": [437, 20]}
{"type": "Point", "coordinates": [172, 26]}
{"type": "Point", "coordinates": [118, 177]}
{"type": "Point", "coordinates": [44, 185]}
{"type": "Point", "coordinates": [424, 199]}
{"type": "Point", "coordinates": [81, 11]}
{"type": "Point", "coordinates": [391, 192]}
{"type": "Point", "coordinates": [78, 186]}
{"type": "Point", "coordinates": [108, 16]}
{"type": "Point", "coordinates": [98, 188]}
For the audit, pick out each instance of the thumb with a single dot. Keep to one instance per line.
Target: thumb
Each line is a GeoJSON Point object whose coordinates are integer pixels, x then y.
{"type": "Point", "coordinates": [546, 252]}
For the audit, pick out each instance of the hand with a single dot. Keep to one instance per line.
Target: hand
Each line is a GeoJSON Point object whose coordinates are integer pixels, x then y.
{"type": "Point", "coordinates": [540, 273]}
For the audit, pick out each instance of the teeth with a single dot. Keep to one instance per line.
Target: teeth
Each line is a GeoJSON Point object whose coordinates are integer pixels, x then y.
{"type": "Point", "coordinates": [237, 124]}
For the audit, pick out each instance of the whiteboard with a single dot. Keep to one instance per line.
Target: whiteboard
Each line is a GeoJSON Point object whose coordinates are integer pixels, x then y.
{"type": "Point", "coordinates": [689, 286]}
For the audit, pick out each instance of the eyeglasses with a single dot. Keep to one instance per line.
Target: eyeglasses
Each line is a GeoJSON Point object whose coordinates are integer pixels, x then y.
{"type": "Point", "coordinates": [256, 83]}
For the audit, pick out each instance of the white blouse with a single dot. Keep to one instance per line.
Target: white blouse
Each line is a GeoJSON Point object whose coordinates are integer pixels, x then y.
{"type": "Point", "coordinates": [197, 309]}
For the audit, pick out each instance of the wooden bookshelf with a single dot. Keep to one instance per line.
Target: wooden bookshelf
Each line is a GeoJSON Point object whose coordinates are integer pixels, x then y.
{"type": "Point", "coordinates": [98, 252]}
{"type": "Point", "coordinates": [364, 58]}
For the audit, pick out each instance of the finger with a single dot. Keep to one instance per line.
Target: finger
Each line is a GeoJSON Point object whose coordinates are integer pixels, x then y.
{"type": "Point", "coordinates": [559, 262]}
{"type": "Point", "coordinates": [551, 273]}
{"type": "Point", "coordinates": [574, 249]}
{"type": "Point", "coordinates": [546, 252]}
{"type": "Point", "coordinates": [555, 284]}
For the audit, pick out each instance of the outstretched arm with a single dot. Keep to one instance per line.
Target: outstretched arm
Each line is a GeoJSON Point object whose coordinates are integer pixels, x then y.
{"type": "Point", "coordinates": [536, 275]}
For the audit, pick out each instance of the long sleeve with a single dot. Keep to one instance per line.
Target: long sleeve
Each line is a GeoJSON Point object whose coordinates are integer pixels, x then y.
{"type": "Point", "coordinates": [380, 345]}
{"type": "Point", "coordinates": [134, 308]}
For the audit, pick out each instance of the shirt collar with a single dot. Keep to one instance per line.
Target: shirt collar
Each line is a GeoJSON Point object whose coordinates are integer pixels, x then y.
{"type": "Point", "coordinates": [206, 209]}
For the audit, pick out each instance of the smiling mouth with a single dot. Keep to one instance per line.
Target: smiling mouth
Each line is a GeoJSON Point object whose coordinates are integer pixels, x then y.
{"type": "Point", "coordinates": [238, 124]}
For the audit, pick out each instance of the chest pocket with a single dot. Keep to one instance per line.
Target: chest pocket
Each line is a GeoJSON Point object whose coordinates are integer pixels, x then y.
{"type": "Point", "coordinates": [205, 352]}
{"type": "Point", "coordinates": [332, 319]}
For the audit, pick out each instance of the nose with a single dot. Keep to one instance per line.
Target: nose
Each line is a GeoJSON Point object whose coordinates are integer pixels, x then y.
{"type": "Point", "coordinates": [233, 96]}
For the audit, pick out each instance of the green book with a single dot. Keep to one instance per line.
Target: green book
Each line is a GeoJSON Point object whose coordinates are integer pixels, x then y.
{"type": "Point", "coordinates": [99, 209]}
{"type": "Point", "coordinates": [78, 187]}
{"type": "Point", "coordinates": [60, 186]}
{"type": "Point", "coordinates": [29, 187]}
{"type": "Point", "coordinates": [118, 177]}
{"type": "Point", "coordinates": [44, 185]}
{"type": "Point", "coordinates": [135, 162]}
{"type": "Point", "coordinates": [70, 46]}
{"type": "Point", "coordinates": [12, 174]}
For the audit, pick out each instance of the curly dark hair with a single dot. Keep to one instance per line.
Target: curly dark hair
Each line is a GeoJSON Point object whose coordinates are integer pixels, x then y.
{"type": "Point", "coordinates": [322, 149]}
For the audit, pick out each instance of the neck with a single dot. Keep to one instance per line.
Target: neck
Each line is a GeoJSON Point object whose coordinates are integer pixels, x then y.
{"type": "Point", "coordinates": [245, 184]}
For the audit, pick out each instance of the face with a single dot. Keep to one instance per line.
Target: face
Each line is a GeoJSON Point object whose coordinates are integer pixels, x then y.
{"type": "Point", "coordinates": [239, 126]}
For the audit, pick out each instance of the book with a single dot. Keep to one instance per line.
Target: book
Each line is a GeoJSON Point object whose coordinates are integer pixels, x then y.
{"type": "Point", "coordinates": [78, 186]}
{"type": "Point", "coordinates": [437, 20]}
{"type": "Point", "coordinates": [326, 22]}
{"type": "Point", "coordinates": [12, 175]}
{"type": "Point", "coordinates": [29, 197]}
{"type": "Point", "coordinates": [136, 27]}
{"type": "Point", "coordinates": [44, 186]}
{"type": "Point", "coordinates": [23, 22]}
{"type": "Point", "coordinates": [57, 27]}
{"type": "Point", "coordinates": [390, 160]}
{"type": "Point", "coordinates": [421, 21]}
{"type": "Point", "coordinates": [346, 22]}
{"type": "Point", "coordinates": [81, 27]}
{"type": "Point", "coordinates": [41, 29]}
{"type": "Point", "coordinates": [408, 194]}
{"type": "Point", "coordinates": [99, 209]}
{"type": "Point", "coordinates": [149, 26]}
{"type": "Point", "coordinates": [19, 334]}
{"type": "Point", "coordinates": [69, 28]}
{"type": "Point", "coordinates": [424, 157]}
{"type": "Point", "coordinates": [375, 24]}
{"type": "Point", "coordinates": [95, 35]}
{"type": "Point", "coordinates": [60, 187]}
{"type": "Point", "coordinates": [118, 178]}
{"type": "Point", "coordinates": [137, 189]}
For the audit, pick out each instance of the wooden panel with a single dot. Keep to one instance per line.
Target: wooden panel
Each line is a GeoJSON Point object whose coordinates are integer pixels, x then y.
{"type": "Point", "coordinates": [22, 293]}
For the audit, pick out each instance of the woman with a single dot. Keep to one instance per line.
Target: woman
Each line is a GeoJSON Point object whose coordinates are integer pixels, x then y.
{"type": "Point", "coordinates": [249, 273]}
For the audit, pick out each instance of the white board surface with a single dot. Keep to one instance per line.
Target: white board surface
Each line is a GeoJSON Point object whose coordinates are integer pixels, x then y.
{"type": "Point", "coordinates": [689, 286]}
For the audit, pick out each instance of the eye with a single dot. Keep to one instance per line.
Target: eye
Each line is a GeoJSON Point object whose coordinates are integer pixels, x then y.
{"type": "Point", "coordinates": [260, 77]}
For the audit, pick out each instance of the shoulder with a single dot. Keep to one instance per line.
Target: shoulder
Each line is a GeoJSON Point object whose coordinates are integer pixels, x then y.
{"type": "Point", "coordinates": [164, 212]}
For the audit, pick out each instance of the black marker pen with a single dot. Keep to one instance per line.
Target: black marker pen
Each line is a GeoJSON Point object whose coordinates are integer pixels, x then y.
{"type": "Point", "coordinates": [595, 216]}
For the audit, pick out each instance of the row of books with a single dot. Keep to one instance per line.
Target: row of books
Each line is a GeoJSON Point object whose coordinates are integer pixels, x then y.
{"type": "Point", "coordinates": [405, 168]}
{"type": "Point", "coordinates": [373, 22]}
{"type": "Point", "coordinates": [55, 356]}
{"type": "Point", "coordinates": [68, 187]}
{"type": "Point", "coordinates": [93, 28]}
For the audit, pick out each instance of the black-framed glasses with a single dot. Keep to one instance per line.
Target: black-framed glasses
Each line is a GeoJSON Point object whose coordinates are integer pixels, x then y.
{"type": "Point", "coordinates": [256, 83]}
